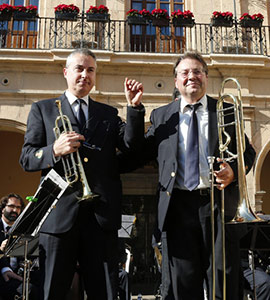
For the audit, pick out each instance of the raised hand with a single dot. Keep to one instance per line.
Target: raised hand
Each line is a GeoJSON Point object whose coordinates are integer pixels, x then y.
{"type": "Point", "coordinates": [133, 92]}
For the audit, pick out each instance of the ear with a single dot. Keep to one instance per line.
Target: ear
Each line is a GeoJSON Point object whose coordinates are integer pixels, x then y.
{"type": "Point", "coordinates": [175, 83]}
{"type": "Point", "coordinates": [65, 72]}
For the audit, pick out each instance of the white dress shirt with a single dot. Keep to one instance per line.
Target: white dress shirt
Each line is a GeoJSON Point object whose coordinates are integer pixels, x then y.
{"type": "Point", "coordinates": [75, 105]}
{"type": "Point", "coordinates": [202, 116]}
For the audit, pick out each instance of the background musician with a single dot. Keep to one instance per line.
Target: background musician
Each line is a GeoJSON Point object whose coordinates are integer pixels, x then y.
{"type": "Point", "coordinates": [11, 207]}
{"type": "Point", "coordinates": [84, 232]}
{"type": "Point", "coordinates": [124, 286]}
{"type": "Point", "coordinates": [260, 272]}
{"type": "Point", "coordinates": [256, 266]}
{"type": "Point", "coordinates": [181, 137]}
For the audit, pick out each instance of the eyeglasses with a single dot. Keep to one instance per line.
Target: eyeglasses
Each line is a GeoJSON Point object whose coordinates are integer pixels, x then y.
{"type": "Point", "coordinates": [185, 73]}
{"type": "Point", "coordinates": [13, 206]}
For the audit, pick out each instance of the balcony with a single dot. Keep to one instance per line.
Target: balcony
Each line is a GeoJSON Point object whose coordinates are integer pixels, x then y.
{"type": "Point", "coordinates": [117, 36]}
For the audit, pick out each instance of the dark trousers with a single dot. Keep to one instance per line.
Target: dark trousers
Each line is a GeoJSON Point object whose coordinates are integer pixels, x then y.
{"type": "Point", "coordinates": [262, 282]}
{"type": "Point", "coordinates": [124, 286]}
{"type": "Point", "coordinates": [188, 226]}
{"type": "Point", "coordinates": [96, 251]}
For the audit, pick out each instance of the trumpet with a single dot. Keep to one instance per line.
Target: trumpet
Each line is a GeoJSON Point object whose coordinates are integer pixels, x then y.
{"type": "Point", "coordinates": [73, 167]}
{"type": "Point", "coordinates": [244, 212]}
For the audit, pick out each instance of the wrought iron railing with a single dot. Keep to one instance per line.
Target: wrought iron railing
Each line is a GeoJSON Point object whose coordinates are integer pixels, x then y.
{"type": "Point", "coordinates": [118, 36]}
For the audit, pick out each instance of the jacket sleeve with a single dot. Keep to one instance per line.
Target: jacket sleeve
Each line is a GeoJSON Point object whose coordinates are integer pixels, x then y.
{"type": "Point", "coordinates": [134, 131]}
{"type": "Point", "coordinates": [36, 154]}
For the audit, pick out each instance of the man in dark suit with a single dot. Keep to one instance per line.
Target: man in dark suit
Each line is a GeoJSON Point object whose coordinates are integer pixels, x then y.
{"type": "Point", "coordinates": [11, 206]}
{"type": "Point", "coordinates": [184, 209]}
{"type": "Point", "coordinates": [83, 231]}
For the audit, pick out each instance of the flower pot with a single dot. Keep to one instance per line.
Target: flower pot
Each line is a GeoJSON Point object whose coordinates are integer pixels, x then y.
{"type": "Point", "coordinates": [5, 16]}
{"type": "Point", "coordinates": [24, 16]}
{"type": "Point", "coordinates": [221, 22]}
{"type": "Point", "coordinates": [66, 16]}
{"type": "Point", "coordinates": [160, 22]}
{"type": "Point", "coordinates": [250, 23]}
{"type": "Point", "coordinates": [138, 20]}
{"type": "Point", "coordinates": [180, 22]}
{"type": "Point", "coordinates": [97, 17]}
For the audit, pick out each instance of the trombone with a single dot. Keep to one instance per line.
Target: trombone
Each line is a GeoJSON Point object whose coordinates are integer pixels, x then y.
{"type": "Point", "coordinates": [73, 168]}
{"type": "Point", "coordinates": [244, 212]}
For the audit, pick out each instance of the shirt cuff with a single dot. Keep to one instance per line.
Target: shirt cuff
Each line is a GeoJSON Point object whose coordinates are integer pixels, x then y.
{"type": "Point", "coordinates": [5, 269]}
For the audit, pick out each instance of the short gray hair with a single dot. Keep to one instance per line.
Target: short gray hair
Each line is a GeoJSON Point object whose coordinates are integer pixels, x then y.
{"type": "Point", "coordinates": [82, 51]}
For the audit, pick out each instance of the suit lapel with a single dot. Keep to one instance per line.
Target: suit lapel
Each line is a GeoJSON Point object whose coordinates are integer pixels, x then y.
{"type": "Point", "coordinates": [2, 233]}
{"type": "Point", "coordinates": [173, 124]}
{"type": "Point", "coordinates": [212, 126]}
{"type": "Point", "coordinates": [67, 110]}
{"type": "Point", "coordinates": [93, 117]}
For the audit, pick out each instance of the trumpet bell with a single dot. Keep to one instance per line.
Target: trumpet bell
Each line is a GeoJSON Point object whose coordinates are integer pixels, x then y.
{"type": "Point", "coordinates": [87, 195]}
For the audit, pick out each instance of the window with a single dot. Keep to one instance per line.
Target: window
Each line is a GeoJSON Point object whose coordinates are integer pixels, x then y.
{"type": "Point", "coordinates": [151, 38]}
{"type": "Point", "coordinates": [20, 34]}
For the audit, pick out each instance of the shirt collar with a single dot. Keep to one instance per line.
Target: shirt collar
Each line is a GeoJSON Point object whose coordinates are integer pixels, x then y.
{"type": "Point", "coordinates": [184, 104]}
{"type": "Point", "coordinates": [5, 224]}
{"type": "Point", "coordinates": [71, 98]}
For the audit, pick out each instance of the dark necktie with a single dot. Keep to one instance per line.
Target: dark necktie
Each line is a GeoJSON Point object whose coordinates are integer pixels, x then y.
{"type": "Point", "coordinates": [80, 115]}
{"type": "Point", "coordinates": [192, 172]}
{"type": "Point", "coordinates": [7, 229]}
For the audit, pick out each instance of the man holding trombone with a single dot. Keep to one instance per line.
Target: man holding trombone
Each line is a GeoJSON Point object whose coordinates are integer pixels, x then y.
{"type": "Point", "coordinates": [182, 135]}
{"type": "Point", "coordinates": [78, 138]}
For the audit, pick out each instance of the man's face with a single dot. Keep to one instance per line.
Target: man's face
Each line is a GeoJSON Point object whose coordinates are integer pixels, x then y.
{"type": "Point", "coordinates": [12, 210]}
{"type": "Point", "coordinates": [191, 80]}
{"type": "Point", "coordinates": [80, 75]}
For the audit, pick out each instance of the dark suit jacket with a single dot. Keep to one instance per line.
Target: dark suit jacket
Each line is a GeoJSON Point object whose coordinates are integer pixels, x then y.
{"type": "Point", "coordinates": [4, 261]}
{"type": "Point", "coordinates": [161, 144]}
{"type": "Point", "coordinates": [104, 132]}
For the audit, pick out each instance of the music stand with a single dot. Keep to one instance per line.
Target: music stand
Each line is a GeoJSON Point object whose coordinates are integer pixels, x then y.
{"type": "Point", "coordinates": [125, 232]}
{"type": "Point", "coordinates": [23, 235]}
{"type": "Point", "coordinates": [257, 236]}
{"type": "Point", "coordinates": [126, 226]}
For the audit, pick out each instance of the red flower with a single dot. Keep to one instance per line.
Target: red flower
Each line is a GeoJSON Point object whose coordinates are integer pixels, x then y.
{"type": "Point", "coordinates": [67, 8]}
{"type": "Point", "coordinates": [6, 8]}
{"type": "Point", "coordinates": [31, 8]}
{"type": "Point", "coordinates": [222, 15]}
{"type": "Point", "coordinates": [20, 8]}
{"type": "Point", "coordinates": [145, 13]}
{"type": "Point", "coordinates": [102, 9]}
{"type": "Point", "coordinates": [257, 17]}
{"type": "Point", "coordinates": [187, 14]}
{"type": "Point", "coordinates": [159, 13]}
{"type": "Point", "coordinates": [133, 13]}
{"type": "Point", "coordinates": [142, 13]}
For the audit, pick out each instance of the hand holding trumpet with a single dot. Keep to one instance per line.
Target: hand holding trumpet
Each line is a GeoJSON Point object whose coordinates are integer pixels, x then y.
{"type": "Point", "coordinates": [68, 142]}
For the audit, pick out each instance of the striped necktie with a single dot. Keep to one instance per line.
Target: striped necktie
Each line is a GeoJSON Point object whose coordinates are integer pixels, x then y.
{"type": "Point", "coordinates": [192, 172]}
